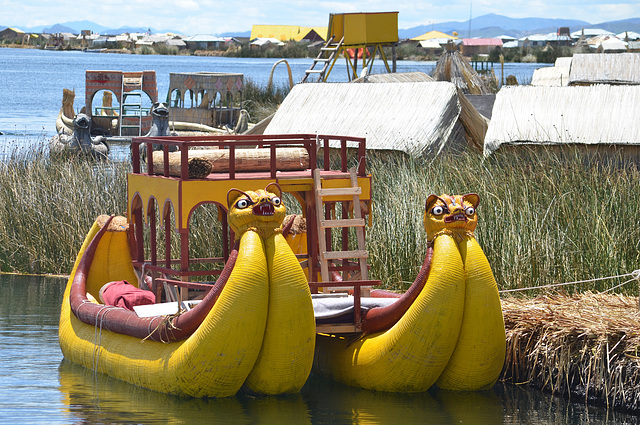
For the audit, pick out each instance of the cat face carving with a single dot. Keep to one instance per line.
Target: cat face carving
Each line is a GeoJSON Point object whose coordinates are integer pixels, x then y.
{"type": "Point", "coordinates": [261, 210]}
{"type": "Point", "coordinates": [450, 214]}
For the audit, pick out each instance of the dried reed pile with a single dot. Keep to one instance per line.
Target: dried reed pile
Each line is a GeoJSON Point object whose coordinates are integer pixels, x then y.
{"type": "Point", "coordinates": [582, 346]}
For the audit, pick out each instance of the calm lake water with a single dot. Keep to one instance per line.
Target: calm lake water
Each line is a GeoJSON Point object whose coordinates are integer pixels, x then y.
{"type": "Point", "coordinates": [38, 387]}
{"type": "Point", "coordinates": [31, 81]}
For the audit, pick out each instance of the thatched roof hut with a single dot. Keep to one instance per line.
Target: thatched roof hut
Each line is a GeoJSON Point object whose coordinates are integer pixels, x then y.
{"type": "Point", "coordinates": [605, 68]}
{"type": "Point", "coordinates": [414, 117]}
{"type": "Point", "coordinates": [453, 67]}
{"type": "Point", "coordinates": [553, 76]}
{"type": "Point", "coordinates": [394, 77]}
{"type": "Point", "coordinates": [600, 115]}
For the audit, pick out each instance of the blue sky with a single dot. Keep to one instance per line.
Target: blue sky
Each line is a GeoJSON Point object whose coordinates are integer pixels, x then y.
{"type": "Point", "coordinates": [215, 16]}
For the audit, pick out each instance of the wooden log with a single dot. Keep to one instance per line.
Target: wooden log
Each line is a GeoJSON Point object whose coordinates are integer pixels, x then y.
{"type": "Point", "coordinates": [287, 159]}
{"type": "Point", "coordinates": [199, 167]}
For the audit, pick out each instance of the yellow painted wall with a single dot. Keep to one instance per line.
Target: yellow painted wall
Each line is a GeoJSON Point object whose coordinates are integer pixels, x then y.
{"type": "Point", "coordinates": [365, 28]}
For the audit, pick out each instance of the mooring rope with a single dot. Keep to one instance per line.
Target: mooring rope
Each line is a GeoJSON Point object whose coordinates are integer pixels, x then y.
{"type": "Point", "coordinates": [97, 335]}
{"type": "Point", "coordinates": [635, 276]}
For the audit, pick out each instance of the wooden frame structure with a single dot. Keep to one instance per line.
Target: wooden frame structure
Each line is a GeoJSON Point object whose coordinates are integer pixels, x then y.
{"type": "Point", "coordinates": [150, 194]}
{"type": "Point", "coordinates": [215, 97]}
{"type": "Point", "coordinates": [354, 36]}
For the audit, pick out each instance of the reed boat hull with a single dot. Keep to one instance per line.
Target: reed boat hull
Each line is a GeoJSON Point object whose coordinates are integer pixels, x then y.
{"type": "Point", "coordinates": [410, 356]}
{"type": "Point", "coordinates": [452, 335]}
{"type": "Point", "coordinates": [213, 362]}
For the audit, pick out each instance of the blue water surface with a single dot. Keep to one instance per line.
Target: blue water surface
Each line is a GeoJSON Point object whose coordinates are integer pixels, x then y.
{"type": "Point", "coordinates": [32, 81]}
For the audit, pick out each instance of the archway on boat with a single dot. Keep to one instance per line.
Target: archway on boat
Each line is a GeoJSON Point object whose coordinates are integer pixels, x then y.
{"type": "Point", "coordinates": [154, 236]}
{"type": "Point", "coordinates": [136, 221]}
{"type": "Point", "coordinates": [202, 99]}
{"type": "Point", "coordinates": [175, 99]}
{"type": "Point", "coordinates": [217, 100]}
{"type": "Point", "coordinates": [191, 97]}
{"type": "Point", "coordinates": [136, 103]}
{"type": "Point", "coordinates": [156, 244]}
{"type": "Point", "coordinates": [210, 238]}
{"type": "Point", "coordinates": [104, 108]}
{"type": "Point", "coordinates": [105, 103]}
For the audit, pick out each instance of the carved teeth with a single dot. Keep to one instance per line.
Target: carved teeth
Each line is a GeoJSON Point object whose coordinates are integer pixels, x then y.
{"type": "Point", "coordinates": [263, 209]}
{"type": "Point", "coordinates": [457, 217]}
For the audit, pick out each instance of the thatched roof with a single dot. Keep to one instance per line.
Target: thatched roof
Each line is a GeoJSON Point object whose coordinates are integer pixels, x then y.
{"type": "Point", "coordinates": [394, 77]}
{"type": "Point", "coordinates": [453, 67]}
{"type": "Point", "coordinates": [557, 75]}
{"type": "Point", "coordinates": [605, 68]}
{"type": "Point", "coordinates": [417, 118]}
{"type": "Point", "coordinates": [600, 114]}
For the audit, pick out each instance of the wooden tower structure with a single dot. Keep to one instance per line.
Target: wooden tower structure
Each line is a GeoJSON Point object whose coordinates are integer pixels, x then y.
{"type": "Point", "coordinates": [356, 36]}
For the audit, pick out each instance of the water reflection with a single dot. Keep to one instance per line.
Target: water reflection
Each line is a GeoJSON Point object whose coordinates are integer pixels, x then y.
{"type": "Point", "coordinates": [39, 385]}
{"type": "Point", "coordinates": [97, 398]}
{"type": "Point", "coordinates": [90, 397]}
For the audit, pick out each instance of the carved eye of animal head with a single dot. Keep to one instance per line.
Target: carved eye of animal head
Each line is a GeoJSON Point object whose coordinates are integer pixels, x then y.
{"type": "Point", "coordinates": [453, 213]}
{"type": "Point", "coordinates": [261, 209]}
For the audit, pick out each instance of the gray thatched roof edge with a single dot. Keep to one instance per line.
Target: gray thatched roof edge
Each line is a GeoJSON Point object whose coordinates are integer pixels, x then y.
{"type": "Point", "coordinates": [609, 68]}
{"type": "Point", "coordinates": [598, 114]}
{"type": "Point", "coordinates": [416, 118]}
{"type": "Point", "coordinates": [394, 77]}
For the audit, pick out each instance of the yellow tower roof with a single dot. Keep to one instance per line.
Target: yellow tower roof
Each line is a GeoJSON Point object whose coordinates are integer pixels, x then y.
{"type": "Point", "coordinates": [433, 34]}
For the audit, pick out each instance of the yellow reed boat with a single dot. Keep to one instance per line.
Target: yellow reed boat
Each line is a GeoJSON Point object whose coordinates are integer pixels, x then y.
{"type": "Point", "coordinates": [239, 318]}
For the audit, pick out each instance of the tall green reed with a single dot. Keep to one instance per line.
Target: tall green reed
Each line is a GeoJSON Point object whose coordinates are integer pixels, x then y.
{"type": "Point", "coordinates": [543, 218]}
{"type": "Point", "coordinates": [47, 207]}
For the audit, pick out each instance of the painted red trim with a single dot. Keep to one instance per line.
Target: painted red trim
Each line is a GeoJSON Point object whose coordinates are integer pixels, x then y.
{"type": "Point", "coordinates": [380, 318]}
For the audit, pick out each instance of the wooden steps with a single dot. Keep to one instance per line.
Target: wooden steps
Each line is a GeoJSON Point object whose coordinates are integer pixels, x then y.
{"type": "Point", "coordinates": [331, 49]}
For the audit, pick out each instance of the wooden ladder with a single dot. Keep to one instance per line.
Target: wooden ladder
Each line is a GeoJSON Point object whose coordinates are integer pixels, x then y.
{"type": "Point", "coordinates": [324, 225]}
{"type": "Point", "coordinates": [131, 81]}
{"type": "Point", "coordinates": [330, 48]}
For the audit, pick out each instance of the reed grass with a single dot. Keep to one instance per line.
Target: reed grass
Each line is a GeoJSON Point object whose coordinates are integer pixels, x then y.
{"type": "Point", "coordinates": [261, 101]}
{"type": "Point", "coordinates": [543, 218]}
{"type": "Point", "coordinates": [47, 207]}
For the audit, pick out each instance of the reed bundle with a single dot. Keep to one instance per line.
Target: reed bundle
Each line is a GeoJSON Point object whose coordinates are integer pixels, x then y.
{"type": "Point", "coordinates": [581, 346]}
{"type": "Point", "coordinates": [453, 67]}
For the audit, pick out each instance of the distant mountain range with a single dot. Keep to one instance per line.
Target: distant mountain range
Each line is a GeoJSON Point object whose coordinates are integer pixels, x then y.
{"type": "Point", "coordinates": [490, 25]}
{"type": "Point", "coordinates": [75, 27]}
